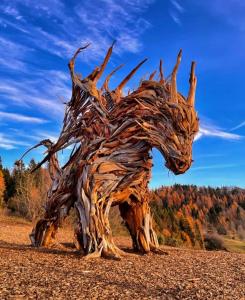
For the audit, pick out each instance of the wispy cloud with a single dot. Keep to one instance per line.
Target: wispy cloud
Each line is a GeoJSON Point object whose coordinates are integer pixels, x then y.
{"type": "Point", "coordinates": [231, 12]}
{"type": "Point", "coordinates": [220, 166]}
{"type": "Point", "coordinates": [175, 18]}
{"type": "Point", "coordinates": [46, 92]}
{"type": "Point", "coordinates": [60, 30]}
{"type": "Point", "coordinates": [40, 135]}
{"type": "Point", "coordinates": [210, 155]}
{"type": "Point", "coordinates": [177, 6]}
{"type": "Point", "coordinates": [211, 130]}
{"type": "Point", "coordinates": [20, 118]}
{"type": "Point", "coordinates": [8, 143]}
{"type": "Point", "coordinates": [175, 11]}
{"type": "Point", "coordinates": [11, 11]}
{"type": "Point", "coordinates": [242, 124]}
{"type": "Point", "coordinates": [113, 20]}
{"type": "Point", "coordinates": [13, 54]}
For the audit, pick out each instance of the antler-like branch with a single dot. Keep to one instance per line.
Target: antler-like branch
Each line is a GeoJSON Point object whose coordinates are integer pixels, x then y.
{"type": "Point", "coordinates": [118, 90]}
{"type": "Point", "coordinates": [47, 143]}
{"type": "Point", "coordinates": [97, 73]}
{"type": "Point", "coordinates": [193, 83]}
{"type": "Point", "coordinates": [105, 85]}
{"type": "Point", "coordinates": [151, 77]}
{"type": "Point", "coordinates": [71, 63]}
{"type": "Point", "coordinates": [173, 78]}
{"type": "Point", "coordinates": [161, 72]}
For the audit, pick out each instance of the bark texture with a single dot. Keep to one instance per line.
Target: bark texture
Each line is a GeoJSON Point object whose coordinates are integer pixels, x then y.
{"type": "Point", "coordinates": [112, 136]}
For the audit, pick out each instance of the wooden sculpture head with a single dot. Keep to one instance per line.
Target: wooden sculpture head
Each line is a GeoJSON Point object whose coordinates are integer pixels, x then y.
{"type": "Point", "coordinates": [168, 118]}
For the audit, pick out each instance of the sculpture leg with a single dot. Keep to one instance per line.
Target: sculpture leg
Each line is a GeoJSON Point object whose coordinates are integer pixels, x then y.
{"type": "Point", "coordinates": [45, 230]}
{"type": "Point", "coordinates": [139, 223]}
{"type": "Point", "coordinates": [43, 234]}
{"type": "Point", "coordinates": [93, 232]}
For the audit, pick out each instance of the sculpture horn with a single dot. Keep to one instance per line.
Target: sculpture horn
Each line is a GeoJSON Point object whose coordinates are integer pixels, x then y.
{"type": "Point", "coordinates": [118, 90]}
{"type": "Point", "coordinates": [71, 63]}
{"type": "Point", "coordinates": [97, 73]}
{"type": "Point", "coordinates": [193, 83]}
{"type": "Point", "coordinates": [173, 78]}
{"type": "Point", "coordinates": [105, 85]}
{"type": "Point", "coordinates": [161, 72]}
{"type": "Point", "coordinates": [151, 77]}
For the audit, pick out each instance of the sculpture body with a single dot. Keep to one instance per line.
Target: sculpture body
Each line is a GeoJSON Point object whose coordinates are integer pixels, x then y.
{"type": "Point", "coordinates": [111, 163]}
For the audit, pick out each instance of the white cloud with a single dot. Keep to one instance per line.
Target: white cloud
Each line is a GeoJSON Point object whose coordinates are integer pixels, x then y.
{"type": "Point", "coordinates": [12, 11]}
{"type": "Point", "coordinates": [242, 124]}
{"type": "Point", "coordinates": [113, 20]}
{"type": "Point", "coordinates": [215, 166]}
{"type": "Point", "coordinates": [20, 118]}
{"type": "Point", "coordinates": [6, 146]}
{"type": "Point", "coordinates": [177, 5]}
{"type": "Point", "coordinates": [69, 28]}
{"type": "Point", "coordinates": [176, 11]}
{"type": "Point", "coordinates": [210, 155]}
{"type": "Point", "coordinates": [45, 92]}
{"type": "Point", "coordinates": [211, 130]}
{"type": "Point", "coordinates": [13, 55]}
{"type": "Point", "coordinates": [5, 22]}
{"type": "Point", "coordinates": [40, 135]}
{"type": "Point", "coordinates": [231, 12]}
{"type": "Point", "coordinates": [8, 143]}
{"type": "Point", "coordinates": [12, 63]}
{"type": "Point", "coordinates": [175, 18]}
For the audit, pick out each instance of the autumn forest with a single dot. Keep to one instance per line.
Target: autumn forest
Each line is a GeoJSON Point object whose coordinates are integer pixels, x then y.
{"type": "Point", "coordinates": [184, 215]}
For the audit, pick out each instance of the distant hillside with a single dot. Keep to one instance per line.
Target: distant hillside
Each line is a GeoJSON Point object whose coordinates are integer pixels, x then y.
{"type": "Point", "coordinates": [184, 213]}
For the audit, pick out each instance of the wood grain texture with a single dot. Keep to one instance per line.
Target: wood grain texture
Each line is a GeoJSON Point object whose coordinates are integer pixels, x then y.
{"type": "Point", "coordinates": [110, 163]}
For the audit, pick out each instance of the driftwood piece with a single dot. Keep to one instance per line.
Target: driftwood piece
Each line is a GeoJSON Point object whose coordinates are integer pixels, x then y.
{"type": "Point", "coordinates": [111, 164]}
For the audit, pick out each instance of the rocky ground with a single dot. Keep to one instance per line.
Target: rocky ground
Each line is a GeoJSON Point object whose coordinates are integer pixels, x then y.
{"type": "Point", "coordinates": [28, 273]}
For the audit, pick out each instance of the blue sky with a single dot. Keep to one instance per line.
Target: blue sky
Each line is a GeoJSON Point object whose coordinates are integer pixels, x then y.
{"type": "Point", "coordinates": [37, 39]}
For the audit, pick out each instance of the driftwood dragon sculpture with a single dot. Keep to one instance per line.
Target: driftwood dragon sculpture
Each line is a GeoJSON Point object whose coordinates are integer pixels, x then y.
{"type": "Point", "coordinates": [110, 163]}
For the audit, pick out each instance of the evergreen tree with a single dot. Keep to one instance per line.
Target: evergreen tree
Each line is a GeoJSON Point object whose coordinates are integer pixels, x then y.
{"type": "Point", "coordinates": [9, 183]}
{"type": "Point", "coordinates": [2, 188]}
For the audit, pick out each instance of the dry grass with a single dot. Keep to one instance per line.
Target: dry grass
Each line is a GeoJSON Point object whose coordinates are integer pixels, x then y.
{"type": "Point", "coordinates": [61, 273]}
{"type": "Point", "coordinates": [234, 245]}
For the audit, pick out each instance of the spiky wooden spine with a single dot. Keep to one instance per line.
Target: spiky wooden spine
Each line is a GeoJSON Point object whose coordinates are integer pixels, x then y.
{"type": "Point", "coordinates": [110, 163]}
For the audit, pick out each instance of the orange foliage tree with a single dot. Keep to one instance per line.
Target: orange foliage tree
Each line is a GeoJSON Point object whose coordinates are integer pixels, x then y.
{"type": "Point", "coordinates": [2, 187]}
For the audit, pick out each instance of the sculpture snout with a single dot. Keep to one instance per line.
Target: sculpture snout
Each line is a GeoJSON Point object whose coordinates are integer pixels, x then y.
{"type": "Point", "coordinates": [178, 166]}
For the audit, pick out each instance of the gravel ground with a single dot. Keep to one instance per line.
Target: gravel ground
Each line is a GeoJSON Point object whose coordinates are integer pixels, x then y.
{"type": "Point", "coordinates": [28, 273]}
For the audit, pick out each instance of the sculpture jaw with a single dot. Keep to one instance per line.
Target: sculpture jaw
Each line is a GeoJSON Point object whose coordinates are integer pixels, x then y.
{"type": "Point", "coordinates": [177, 166]}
